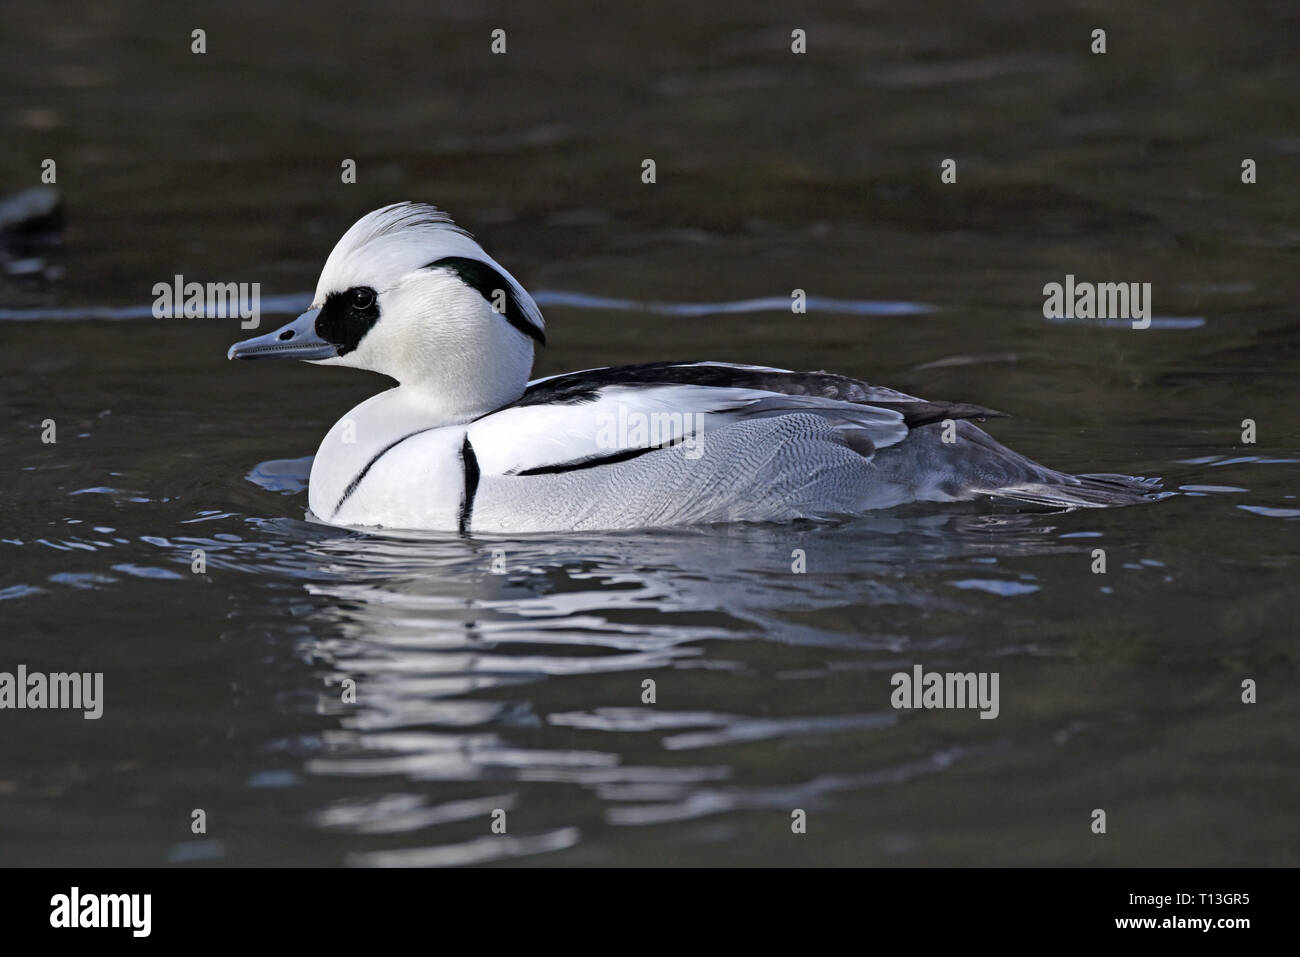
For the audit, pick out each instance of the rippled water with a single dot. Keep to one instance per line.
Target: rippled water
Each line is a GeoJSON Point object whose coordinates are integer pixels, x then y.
{"type": "Point", "coordinates": [508, 674]}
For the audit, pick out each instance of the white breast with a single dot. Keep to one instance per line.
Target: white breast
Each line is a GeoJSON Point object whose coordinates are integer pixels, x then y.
{"type": "Point", "coordinates": [384, 463]}
{"type": "Point", "coordinates": [419, 483]}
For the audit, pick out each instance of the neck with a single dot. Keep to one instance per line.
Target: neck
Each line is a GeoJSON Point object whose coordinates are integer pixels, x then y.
{"type": "Point", "coordinates": [441, 406]}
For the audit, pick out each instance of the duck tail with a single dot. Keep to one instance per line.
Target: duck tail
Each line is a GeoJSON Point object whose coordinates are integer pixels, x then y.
{"type": "Point", "coordinates": [978, 465]}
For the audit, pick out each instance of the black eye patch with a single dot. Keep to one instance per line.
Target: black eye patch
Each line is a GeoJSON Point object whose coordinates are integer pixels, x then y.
{"type": "Point", "coordinates": [482, 278]}
{"type": "Point", "coordinates": [347, 316]}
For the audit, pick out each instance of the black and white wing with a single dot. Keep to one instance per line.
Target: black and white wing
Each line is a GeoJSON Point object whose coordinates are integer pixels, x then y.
{"type": "Point", "coordinates": [585, 419]}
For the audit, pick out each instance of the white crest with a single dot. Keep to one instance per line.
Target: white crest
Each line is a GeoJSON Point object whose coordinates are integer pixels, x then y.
{"type": "Point", "coordinates": [389, 243]}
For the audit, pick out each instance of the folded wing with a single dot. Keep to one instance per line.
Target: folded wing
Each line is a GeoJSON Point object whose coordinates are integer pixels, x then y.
{"type": "Point", "coordinates": [602, 416]}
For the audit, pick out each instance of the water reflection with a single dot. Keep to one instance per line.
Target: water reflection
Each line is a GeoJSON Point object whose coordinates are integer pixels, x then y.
{"type": "Point", "coordinates": [478, 679]}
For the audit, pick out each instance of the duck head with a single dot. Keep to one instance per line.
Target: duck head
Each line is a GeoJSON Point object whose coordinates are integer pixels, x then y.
{"type": "Point", "coordinates": [407, 293]}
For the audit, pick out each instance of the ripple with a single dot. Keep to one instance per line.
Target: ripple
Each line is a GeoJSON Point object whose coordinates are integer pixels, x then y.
{"type": "Point", "coordinates": [759, 729]}
{"type": "Point", "coordinates": [483, 850]}
{"type": "Point", "coordinates": [294, 303]}
{"type": "Point", "coordinates": [995, 586]}
{"type": "Point", "coordinates": [397, 813]}
{"type": "Point", "coordinates": [19, 591]}
{"type": "Point", "coordinates": [1270, 512]}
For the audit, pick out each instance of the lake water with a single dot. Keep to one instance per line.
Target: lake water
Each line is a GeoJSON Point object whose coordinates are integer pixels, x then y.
{"type": "Point", "coordinates": [522, 691]}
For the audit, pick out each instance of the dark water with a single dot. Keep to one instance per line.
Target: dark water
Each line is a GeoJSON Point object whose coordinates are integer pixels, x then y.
{"type": "Point", "coordinates": [522, 691]}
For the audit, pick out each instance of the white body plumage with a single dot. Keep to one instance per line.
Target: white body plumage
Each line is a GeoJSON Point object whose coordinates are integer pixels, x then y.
{"type": "Point", "coordinates": [465, 443]}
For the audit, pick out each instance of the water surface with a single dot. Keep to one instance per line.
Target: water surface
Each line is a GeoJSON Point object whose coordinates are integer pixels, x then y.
{"type": "Point", "coordinates": [523, 691]}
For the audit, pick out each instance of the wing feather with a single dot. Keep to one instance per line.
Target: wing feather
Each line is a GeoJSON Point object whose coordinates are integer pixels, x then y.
{"type": "Point", "coordinates": [585, 419]}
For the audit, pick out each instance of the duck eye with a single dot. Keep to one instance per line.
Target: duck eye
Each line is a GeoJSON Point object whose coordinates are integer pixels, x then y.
{"type": "Point", "coordinates": [363, 298]}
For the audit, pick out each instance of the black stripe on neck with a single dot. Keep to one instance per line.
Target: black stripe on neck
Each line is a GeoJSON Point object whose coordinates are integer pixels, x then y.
{"type": "Point", "coordinates": [470, 462]}
{"type": "Point", "coordinates": [352, 486]}
{"type": "Point", "coordinates": [594, 461]}
{"type": "Point", "coordinates": [487, 282]}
